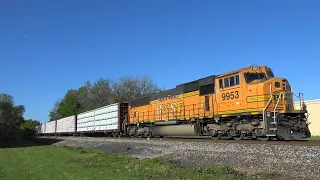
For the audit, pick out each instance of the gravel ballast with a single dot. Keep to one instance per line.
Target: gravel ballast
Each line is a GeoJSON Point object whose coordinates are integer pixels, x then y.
{"type": "Point", "coordinates": [292, 161]}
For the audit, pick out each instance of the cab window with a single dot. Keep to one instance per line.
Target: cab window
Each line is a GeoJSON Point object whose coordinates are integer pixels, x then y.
{"type": "Point", "coordinates": [270, 73]}
{"type": "Point", "coordinates": [220, 84]}
{"type": "Point", "coordinates": [254, 76]}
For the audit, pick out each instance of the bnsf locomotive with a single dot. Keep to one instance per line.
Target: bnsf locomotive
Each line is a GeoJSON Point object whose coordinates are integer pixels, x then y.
{"type": "Point", "coordinates": [246, 103]}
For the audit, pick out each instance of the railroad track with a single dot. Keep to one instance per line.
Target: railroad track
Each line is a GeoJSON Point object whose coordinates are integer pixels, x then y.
{"type": "Point", "coordinates": [201, 139]}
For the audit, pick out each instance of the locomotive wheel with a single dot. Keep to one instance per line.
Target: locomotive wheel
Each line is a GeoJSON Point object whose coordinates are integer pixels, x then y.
{"type": "Point", "coordinates": [148, 134]}
{"type": "Point", "coordinates": [254, 137]}
{"type": "Point", "coordinates": [264, 138]}
{"type": "Point", "coordinates": [216, 137]}
{"type": "Point", "coordinates": [238, 138]}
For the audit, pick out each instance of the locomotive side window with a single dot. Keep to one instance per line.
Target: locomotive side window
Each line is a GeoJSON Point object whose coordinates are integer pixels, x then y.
{"type": "Point", "coordinates": [237, 80]}
{"type": "Point", "coordinates": [207, 103]}
{"type": "Point", "coordinates": [226, 82]}
{"type": "Point", "coordinates": [232, 81]}
{"type": "Point", "coordinates": [229, 81]}
{"type": "Point", "coordinates": [220, 84]}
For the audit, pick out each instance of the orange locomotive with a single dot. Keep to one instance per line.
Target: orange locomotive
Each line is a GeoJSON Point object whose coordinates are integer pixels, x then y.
{"type": "Point", "coordinates": [246, 103]}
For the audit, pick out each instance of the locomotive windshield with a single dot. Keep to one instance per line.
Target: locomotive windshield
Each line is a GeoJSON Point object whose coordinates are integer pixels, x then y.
{"type": "Point", "coordinates": [270, 73]}
{"type": "Point", "coordinates": [254, 76]}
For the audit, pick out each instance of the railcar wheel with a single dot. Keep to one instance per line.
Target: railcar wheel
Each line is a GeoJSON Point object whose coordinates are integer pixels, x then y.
{"type": "Point", "coordinates": [114, 134]}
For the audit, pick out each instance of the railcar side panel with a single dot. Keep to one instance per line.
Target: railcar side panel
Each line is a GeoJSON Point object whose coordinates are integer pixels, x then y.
{"type": "Point", "coordinates": [100, 119]}
{"type": "Point", "coordinates": [66, 125]}
{"type": "Point", "coordinates": [50, 127]}
{"type": "Point", "coordinates": [42, 128]}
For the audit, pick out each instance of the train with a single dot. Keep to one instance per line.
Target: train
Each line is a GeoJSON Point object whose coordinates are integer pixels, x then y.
{"type": "Point", "coordinates": [247, 103]}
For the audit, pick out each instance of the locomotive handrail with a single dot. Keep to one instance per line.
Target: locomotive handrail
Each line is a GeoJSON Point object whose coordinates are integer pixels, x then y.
{"type": "Point", "coordinates": [282, 94]}
{"type": "Point", "coordinates": [275, 107]}
{"type": "Point", "coordinates": [265, 108]}
{"type": "Point", "coordinates": [264, 111]}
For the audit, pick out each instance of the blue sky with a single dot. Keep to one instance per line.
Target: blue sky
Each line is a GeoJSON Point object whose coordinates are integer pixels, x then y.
{"type": "Point", "coordinates": [48, 47]}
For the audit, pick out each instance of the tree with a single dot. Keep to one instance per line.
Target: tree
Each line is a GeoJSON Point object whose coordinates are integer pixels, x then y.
{"type": "Point", "coordinates": [91, 96]}
{"type": "Point", "coordinates": [54, 114]}
{"type": "Point", "coordinates": [30, 124]}
{"type": "Point", "coordinates": [6, 98]}
{"type": "Point", "coordinates": [67, 107]}
{"type": "Point", "coordinates": [8, 123]}
{"type": "Point", "coordinates": [11, 116]}
{"type": "Point", "coordinates": [28, 129]}
{"type": "Point", "coordinates": [100, 93]}
{"type": "Point", "coordinates": [129, 87]}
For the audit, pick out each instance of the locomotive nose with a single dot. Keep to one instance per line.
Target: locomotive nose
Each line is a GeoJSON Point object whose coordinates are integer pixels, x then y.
{"type": "Point", "coordinates": [281, 84]}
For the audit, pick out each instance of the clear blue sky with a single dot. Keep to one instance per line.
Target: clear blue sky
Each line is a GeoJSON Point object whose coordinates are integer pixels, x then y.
{"type": "Point", "coordinates": [48, 47]}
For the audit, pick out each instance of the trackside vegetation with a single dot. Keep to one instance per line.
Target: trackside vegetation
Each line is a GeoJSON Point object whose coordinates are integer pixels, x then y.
{"type": "Point", "coordinates": [66, 163]}
{"type": "Point", "coordinates": [314, 138]}
{"type": "Point", "coordinates": [12, 123]}
{"type": "Point", "coordinates": [91, 95]}
{"type": "Point", "coordinates": [102, 92]}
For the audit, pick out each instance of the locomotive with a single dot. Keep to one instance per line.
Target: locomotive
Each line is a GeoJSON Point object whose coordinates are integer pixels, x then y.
{"type": "Point", "coordinates": [246, 103]}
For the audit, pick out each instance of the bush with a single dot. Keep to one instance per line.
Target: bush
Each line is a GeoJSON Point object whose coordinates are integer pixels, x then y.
{"type": "Point", "coordinates": [27, 134]}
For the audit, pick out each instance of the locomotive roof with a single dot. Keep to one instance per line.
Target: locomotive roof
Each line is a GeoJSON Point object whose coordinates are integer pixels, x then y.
{"type": "Point", "coordinates": [238, 70]}
{"type": "Point", "coordinates": [182, 88]}
{"type": "Point", "coordinates": [179, 89]}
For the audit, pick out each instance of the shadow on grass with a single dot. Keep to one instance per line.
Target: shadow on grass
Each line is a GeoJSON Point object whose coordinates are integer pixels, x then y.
{"type": "Point", "coordinates": [17, 143]}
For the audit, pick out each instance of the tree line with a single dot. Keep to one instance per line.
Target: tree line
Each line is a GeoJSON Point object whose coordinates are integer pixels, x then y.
{"type": "Point", "coordinates": [102, 92]}
{"type": "Point", "coordinates": [90, 96]}
{"type": "Point", "coordinates": [12, 123]}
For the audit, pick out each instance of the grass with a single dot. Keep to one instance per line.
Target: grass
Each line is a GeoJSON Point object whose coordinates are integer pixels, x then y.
{"type": "Point", "coordinates": [314, 138]}
{"type": "Point", "coordinates": [65, 163]}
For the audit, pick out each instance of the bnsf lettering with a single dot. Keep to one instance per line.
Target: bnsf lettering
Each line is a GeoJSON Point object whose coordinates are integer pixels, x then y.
{"type": "Point", "coordinates": [175, 107]}
{"type": "Point", "coordinates": [230, 95]}
{"type": "Point", "coordinates": [276, 97]}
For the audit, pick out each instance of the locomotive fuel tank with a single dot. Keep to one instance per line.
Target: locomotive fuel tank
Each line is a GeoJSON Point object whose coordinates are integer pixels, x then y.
{"type": "Point", "coordinates": [176, 130]}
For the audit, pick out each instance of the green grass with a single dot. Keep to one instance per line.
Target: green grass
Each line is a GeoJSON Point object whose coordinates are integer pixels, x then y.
{"type": "Point", "coordinates": [314, 138]}
{"type": "Point", "coordinates": [50, 162]}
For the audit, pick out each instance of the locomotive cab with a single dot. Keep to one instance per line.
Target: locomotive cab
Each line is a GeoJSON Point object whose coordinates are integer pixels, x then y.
{"type": "Point", "coordinates": [266, 91]}
{"type": "Point", "coordinates": [254, 95]}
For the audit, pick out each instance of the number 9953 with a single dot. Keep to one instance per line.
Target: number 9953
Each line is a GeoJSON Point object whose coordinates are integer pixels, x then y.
{"type": "Point", "coordinates": [230, 95]}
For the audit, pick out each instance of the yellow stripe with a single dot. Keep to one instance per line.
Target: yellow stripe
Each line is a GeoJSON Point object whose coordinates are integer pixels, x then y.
{"type": "Point", "coordinates": [241, 111]}
{"type": "Point", "coordinates": [189, 94]}
{"type": "Point", "coordinates": [193, 93]}
{"type": "Point", "coordinates": [261, 98]}
{"type": "Point", "coordinates": [258, 98]}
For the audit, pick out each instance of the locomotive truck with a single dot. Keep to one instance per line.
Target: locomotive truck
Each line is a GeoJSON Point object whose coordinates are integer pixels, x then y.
{"type": "Point", "coordinates": [246, 103]}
